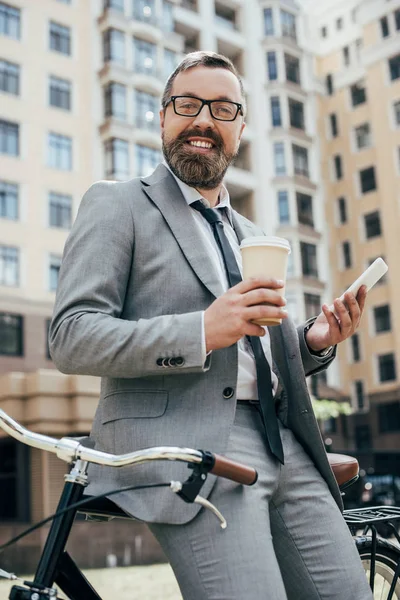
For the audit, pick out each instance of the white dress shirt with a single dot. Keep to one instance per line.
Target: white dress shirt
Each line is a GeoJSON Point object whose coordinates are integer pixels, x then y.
{"type": "Point", "coordinates": [247, 376]}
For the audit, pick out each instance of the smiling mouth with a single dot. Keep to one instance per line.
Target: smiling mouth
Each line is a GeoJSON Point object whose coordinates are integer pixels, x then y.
{"type": "Point", "coordinates": [200, 146]}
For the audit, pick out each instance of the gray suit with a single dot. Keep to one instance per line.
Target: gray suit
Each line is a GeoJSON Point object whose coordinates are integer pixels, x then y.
{"type": "Point", "coordinates": [133, 282]}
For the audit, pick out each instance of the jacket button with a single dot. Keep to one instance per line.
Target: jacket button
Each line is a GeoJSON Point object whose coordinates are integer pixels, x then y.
{"type": "Point", "coordinates": [172, 362]}
{"type": "Point", "coordinates": [159, 362]}
{"type": "Point", "coordinates": [179, 361]}
{"type": "Point", "coordinates": [228, 393]}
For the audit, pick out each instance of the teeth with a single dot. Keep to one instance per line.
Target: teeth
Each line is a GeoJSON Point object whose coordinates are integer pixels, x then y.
{"type": "Point", "coordinates": [201, 144]}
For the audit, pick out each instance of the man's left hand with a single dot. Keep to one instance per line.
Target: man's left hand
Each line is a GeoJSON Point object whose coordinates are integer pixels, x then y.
{"type": "Point", "coordinates": [330, 329]}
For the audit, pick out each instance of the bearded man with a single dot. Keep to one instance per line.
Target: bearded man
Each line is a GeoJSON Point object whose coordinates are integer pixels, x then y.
{"type": "Point", "coordinates": [146, 302]}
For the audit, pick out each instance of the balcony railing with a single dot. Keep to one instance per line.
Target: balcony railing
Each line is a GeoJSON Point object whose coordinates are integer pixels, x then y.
{"type": "Point", "coordinates": [190, 5]}
{"type": "Point", "coordinates": [224, 22]}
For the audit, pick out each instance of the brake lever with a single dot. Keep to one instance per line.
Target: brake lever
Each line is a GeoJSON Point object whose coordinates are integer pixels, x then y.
{"type": "Point", "coordinates": [176, 486]}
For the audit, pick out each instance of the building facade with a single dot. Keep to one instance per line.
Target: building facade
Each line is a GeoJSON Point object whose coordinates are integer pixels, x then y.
{"type": "Point", "coordinates": [80, 88]}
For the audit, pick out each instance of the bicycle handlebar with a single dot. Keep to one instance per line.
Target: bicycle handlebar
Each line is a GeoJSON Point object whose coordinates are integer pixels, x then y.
{"type": "Point", "coordinates": [70, 450]}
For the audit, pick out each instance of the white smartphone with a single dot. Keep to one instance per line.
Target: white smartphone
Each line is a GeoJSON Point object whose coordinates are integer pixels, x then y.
{"type": "Point", "coordinates": [370, 276]}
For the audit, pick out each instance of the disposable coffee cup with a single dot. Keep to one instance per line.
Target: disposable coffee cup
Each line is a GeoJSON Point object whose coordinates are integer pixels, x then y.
{"type": "Point", "coordinates": [265, 256]}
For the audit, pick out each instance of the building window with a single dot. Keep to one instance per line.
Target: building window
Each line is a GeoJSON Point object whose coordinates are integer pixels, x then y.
{"type": "Point", "coordinates": [324, 32]}
{"type": "Point", "coordinates": [358, 94]}
{"type": "Point", "coordinates": [146, 114]}
{"type": "Point", "coordinates": [382, 318]}
{"type": "Point", "coordinates": [9, 77]}
{"type": "Point", "coordinates": [9, 266]}
{"type": "Point", "coordinates": [394, 66]}
{"type": "Point", "coordinates": [54, 271]}
{"type": "Point", "coordinates": [329, 84]}
{"type": "Point", "coordinates": [363, 136]}
{"type": "Point", "coordinates": [346, 56]}
{"type": "Point", "coordinates": [9, 138]}
{"type": "Point", "coordinates": [367, 180]}
{"type": "Point", "coordinates": [60, 210]}
{"type": "Point", "coordinates": [397, 19]}
{"type": "Point", "coordinates": [362, 434]}
{"type": "Point", "coordinates": [387, 367]}
{"type": "Point", "coordinates": [279, 158]}
{"type": "Point", "coordinates": [276, 111]}
{"type": "Point", "coordinates": [292, 68]}
{"type": "Point", "coordinates": [296, 114]}
{"type": "Point", "coordinates": [272, 66]}
{"type": "Point", "coordinates": [8, 200]}
{"type": "Point", "coordinates": [117, 158]}
{"type": "Point", "coordinates": [60, 38]}
{"type": "Point", "coordinates": [359, 45]}
{"type": "Point", "coordinates": [334, 125]}
{"type": "Point", "coordinates": [144, 10]}
{"type": "Point", "coordinates": [168, 23]}
{"type": "Point", "coordinates": [11, 334]}
{"type": "Point", "coordinates": [283, 207]}
{"type": "Point", "coordinates": [268, 22]}
{"type": "Point", "coordinates": [337, 160]}
{"type": "Point", "coordinates": [384, 27]}
{"type": "Point", "coordinates": [146, 159]}
{"type": "Point", "coordinates": [114, 4]}
{"type": "Point", "coordinates": [346, 249]}
{"type": "Point", "coordinates": [372, 222]}
{"type": "Point", "coordinates": [115, 101]}
{"type": "Point", "coordinates": [10, 21]}
{"type": "Point", "coordinates": [355, 347]}
{"type": "Point", "coordinates": [114, 46]}
{"type": "Point", "coordinates": [359, 395]}
{"type": "Point", "coordinates": [300, 160]}
{"type": "Point", "coordinates": [342, 208]}
{"type": "Point", "coordinates": [145, 57]}
{"type": "Point", "coordinates": [309, 259]}
{"type": "Point", "coordinates": [170, 62]}
{"type": "Point", "coordinates": [59, 152]}
{"type": "Point", "coordinates": [312, 304]}
{"type": "Point", "coordinates": [14, 481]}
{"type": "Point", "coordinates": [389, 417]}
{"type": "Point", "coordinates": [339, 23]}
{"type": "Point", "coordinates": [304, 209]}
{"type": "Point", "coordinates": [60, 93]}
{"type": "Point", "coordinates": [288, 25]}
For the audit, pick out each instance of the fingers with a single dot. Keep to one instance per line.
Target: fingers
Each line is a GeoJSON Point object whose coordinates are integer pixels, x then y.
{"type": "Point", "coordinates": [260, 311]}
{"type": "Point", "coordinates": [261, 295]}
{"type": "Point", "coordinates": [257, 282]}
{"type": "Point", "coordinates": [331, 318]}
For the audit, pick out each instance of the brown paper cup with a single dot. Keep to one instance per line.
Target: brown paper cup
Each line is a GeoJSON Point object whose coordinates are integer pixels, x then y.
{"type": "Point", "coordinates": [265, 256]}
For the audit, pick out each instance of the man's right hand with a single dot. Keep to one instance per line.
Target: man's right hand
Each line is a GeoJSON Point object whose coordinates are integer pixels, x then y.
{"type": "Point", "coordinates": [229, 317]}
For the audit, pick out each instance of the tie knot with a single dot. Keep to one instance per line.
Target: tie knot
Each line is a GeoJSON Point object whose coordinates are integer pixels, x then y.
{"type": "Point", "coordinates": [210, 214]}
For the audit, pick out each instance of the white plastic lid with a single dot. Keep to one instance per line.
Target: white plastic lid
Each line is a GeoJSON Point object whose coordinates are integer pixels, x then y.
{"type": "Point", "coordinates": [266, 240]}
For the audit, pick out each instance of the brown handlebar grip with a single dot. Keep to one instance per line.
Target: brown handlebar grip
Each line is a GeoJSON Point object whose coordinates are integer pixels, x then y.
{"type": "Point", "coordinates": [230, 469]}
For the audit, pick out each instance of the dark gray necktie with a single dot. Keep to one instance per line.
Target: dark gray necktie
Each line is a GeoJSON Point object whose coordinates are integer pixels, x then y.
{"type": "Point", "coordinates": [264, 382]}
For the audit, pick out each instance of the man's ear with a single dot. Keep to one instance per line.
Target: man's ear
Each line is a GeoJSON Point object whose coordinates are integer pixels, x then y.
{"type": "Point", "coordinates": [162, 117]}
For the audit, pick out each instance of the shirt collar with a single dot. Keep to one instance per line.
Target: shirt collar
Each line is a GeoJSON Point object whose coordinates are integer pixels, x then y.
{"type": "Point", "coordinates": [191, 194]}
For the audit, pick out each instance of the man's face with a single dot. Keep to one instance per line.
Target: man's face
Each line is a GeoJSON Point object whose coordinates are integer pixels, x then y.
{"type": "Point", "coordinates": [200, 167]}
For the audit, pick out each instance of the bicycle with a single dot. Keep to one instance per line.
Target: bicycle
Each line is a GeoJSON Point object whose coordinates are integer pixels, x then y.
{"type": "Point", "coordinates": [380, 558]}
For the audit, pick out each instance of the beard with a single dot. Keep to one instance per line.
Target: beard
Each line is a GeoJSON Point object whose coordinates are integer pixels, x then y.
{"type": "Point", "coordinates": [197, 170]}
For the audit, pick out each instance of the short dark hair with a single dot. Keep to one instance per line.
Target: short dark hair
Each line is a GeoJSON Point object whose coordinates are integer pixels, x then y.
{"type": "Point", "coordinates": [202, 59]}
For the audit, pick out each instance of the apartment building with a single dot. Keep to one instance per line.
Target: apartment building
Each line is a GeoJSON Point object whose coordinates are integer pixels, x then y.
{"type": "Point", "coordinates": [80, 85]}
{"type": "Point", "coordinates": [358, 65]}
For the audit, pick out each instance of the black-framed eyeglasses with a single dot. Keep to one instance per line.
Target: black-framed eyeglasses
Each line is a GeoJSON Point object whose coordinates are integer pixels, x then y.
{"type": "Point", "coordinates": [190, 106]}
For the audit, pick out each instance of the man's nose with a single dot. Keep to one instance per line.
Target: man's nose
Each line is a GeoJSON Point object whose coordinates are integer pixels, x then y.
{"type": "Point", "coordinates": [204, 117]}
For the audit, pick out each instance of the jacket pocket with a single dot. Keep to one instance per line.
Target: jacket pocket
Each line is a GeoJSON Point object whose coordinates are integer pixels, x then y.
{"type": "Point", "coordinates": [134, 404]}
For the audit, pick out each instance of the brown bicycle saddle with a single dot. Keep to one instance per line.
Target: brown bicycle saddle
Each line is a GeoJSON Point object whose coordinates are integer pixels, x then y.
{"type": "Point", "coordinates": [345, 468]}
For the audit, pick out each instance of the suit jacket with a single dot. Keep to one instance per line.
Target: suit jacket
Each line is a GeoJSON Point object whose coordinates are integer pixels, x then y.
{"type": "Point", "coordinates": [134, 280]}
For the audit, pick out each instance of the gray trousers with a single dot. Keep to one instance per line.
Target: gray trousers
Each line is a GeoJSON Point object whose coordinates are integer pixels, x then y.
{"type": "Point", "coordinates": [285, 540]}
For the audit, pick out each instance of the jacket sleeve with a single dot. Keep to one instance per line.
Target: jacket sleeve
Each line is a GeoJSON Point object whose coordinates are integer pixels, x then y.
{"type": "Point", "coordinates": [87, 334]}
{"type": "Point", "coordinates": [312, 364]}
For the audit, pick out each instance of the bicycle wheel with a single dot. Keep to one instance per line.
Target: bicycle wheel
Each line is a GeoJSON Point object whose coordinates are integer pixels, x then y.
{"type": "Point", "coordinates": [386, 559]}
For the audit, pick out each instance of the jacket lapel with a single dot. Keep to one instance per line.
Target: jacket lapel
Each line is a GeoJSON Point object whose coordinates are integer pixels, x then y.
{"type": "Point", "coordinates": [165, 193]}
